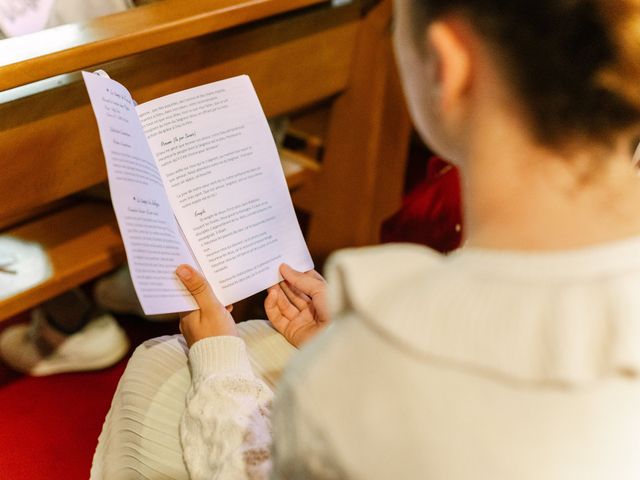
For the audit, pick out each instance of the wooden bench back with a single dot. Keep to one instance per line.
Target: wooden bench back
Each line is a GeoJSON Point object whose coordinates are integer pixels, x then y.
{"type": "Point", "coordinates": [49, 147]}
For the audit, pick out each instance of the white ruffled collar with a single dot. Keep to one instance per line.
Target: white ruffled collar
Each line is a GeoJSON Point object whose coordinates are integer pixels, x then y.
{"type": "Point", "coordinates": [564, 317]}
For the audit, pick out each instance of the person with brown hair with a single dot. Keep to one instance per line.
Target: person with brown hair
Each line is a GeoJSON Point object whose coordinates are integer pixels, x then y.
{"type": "Point", "coordinates": [517, 356]}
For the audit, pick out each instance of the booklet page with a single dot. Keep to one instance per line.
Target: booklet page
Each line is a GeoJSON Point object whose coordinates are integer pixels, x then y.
{"type": "Point", "coordinates": [223, 177]}
{"type": "Point", "coordinates": [152, 238]}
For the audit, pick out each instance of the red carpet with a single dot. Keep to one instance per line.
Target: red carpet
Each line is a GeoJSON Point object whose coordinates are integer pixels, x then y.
{"type": "Point", "coordinates": [50, 425]}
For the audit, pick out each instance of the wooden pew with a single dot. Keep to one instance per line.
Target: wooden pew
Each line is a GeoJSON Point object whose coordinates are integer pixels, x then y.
{"type": "Point", "coordinates": [329, 67]}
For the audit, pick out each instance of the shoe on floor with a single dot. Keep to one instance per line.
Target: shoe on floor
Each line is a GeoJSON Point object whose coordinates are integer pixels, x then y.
{"type": "Point", "coordinates": [38, 349]}
{"type": "Point", "coordinates": [116, 293]}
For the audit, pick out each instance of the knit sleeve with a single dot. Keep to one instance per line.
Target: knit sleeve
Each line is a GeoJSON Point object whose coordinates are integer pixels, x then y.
{"type": "Point", "coordinates": [225, 429]}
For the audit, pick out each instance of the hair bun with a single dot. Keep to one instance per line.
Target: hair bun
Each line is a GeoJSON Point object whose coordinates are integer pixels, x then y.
{"type": "Point", "coordinates": [622, 17]}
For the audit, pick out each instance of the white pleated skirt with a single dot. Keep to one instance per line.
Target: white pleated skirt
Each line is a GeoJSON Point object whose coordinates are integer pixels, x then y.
{"type": "Point", "coordinates": [139, 438]}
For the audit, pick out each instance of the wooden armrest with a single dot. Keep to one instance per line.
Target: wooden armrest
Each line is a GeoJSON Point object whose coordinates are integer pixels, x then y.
{"type": "Point", "coordinates": [72, 47]}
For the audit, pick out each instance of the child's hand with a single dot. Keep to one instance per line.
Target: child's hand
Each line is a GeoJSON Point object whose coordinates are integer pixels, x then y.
{"type": "Point", "coordinates": [212, 319]}
{"type": "Point", "coordinates": [297, 306]}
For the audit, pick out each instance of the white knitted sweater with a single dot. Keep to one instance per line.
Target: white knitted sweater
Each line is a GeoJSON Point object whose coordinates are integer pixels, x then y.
{"type": "Point", "coordinates": [483, 365]}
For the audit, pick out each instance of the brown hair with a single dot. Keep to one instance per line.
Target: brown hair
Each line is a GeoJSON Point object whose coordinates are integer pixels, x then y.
{"type": "Point", "coordinates": [575, 63]}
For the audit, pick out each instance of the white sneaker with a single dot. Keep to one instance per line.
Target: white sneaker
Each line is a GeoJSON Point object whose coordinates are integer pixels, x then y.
{"type": "Point", "coordinates": [38, 349]}
{"type": "Point", "coordinates": [116, 293]}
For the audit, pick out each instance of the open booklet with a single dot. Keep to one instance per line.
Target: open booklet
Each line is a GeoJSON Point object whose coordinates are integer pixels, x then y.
{"type": "Point", "coordinates": [195, 178]}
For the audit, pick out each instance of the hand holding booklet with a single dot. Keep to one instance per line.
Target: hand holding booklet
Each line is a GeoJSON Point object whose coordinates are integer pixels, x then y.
{"type": "Point", "coordinates": [195, 178]}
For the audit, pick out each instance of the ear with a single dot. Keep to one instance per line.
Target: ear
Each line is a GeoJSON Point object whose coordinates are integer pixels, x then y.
{"type": "Point", "coordinates": [451, 55]}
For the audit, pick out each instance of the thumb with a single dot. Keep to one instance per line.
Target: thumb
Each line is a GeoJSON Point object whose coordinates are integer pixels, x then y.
{"type": "Point", "coordinates": [198, 287]}
{"type": "Point", "coordinates": [304, 282]}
